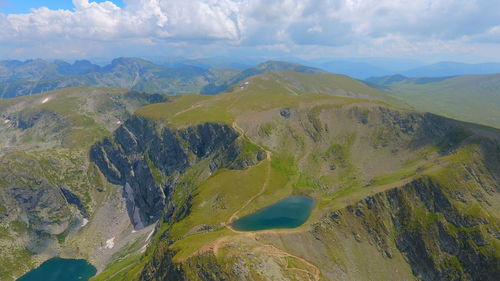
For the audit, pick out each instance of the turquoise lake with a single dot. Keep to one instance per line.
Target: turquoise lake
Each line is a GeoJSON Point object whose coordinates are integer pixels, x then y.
{"type": "Point", "coordinates": [290, 212]}
{"type": "Point", "coordinates": [58, 269]}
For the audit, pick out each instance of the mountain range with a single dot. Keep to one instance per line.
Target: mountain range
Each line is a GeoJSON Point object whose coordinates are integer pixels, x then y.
{"type": "Point", "coordinates": [35, 76]}
{"type": "Point", "coordinates": [147, 186]}
{"type": "Point", "coordinates": [364, 68]}
{"type": "Point", "coordinates": [194, 76]}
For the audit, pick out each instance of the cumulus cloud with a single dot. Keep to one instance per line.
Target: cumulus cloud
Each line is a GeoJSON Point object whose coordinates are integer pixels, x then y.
{"type": "Point", "coordinates": [139, 19]}
{"type": "Point", "coordinates": [261, 22]}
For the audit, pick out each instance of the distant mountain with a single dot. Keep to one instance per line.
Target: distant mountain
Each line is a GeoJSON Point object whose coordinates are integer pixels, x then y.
{"type": "Point", "coordinates": [364, 69]}
{"type": "Point", "coordinates": [268, 66]}
{"type": "Point", "coordinates": [452, 68]}
{"type": "Point", "coordinates": [385, 80]}
{"type": "Point", "coordinates": [472, 98]}
{"type": "Point", "coordinates": [35, 76]}
{"type": "Point", "coordinates": [360, 70]}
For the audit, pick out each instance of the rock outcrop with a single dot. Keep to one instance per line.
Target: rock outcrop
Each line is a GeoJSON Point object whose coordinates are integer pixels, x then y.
{"type": "Point", "coordinates": [147, 159]}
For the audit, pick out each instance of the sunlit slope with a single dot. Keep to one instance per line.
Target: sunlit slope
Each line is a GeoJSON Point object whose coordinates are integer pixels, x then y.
{"type": "Point", "coordinates": [361, 159]}
{"type": "Point", "coordinates": [395, 189]}
{"type": "Point", "coordinates": [472, 98]}
{"type": "Point", "coordinates": [73, 117]}
{"type": "Point", "coordinates": [265, 91]}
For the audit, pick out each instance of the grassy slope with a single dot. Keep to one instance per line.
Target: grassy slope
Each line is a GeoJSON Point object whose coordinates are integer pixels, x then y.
{"type": "Point", "coordinates": [217, 196]}
{"type": "Point", "coordinates": [368, 156]}
{"type": "Point", "coordinates": [263, 92]}
{"type": "Point", "coordinates": [336, 149]}
{"type": "Point", "coordinates": [471, 98]}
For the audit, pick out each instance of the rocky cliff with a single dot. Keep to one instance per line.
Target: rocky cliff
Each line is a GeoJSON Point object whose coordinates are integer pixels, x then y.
{"type": "Point", "coordinates": [148, 159]}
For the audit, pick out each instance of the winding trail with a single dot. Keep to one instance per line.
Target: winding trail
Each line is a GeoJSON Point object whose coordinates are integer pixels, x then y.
{"type": "Point", "coordinates": [187, 109]}
{"type": "Point", "coordinates": [314, 274]}
{"type": "Point", "coordinates": [277, 251]}
{"type": "Point", "coordinates": [264, 185]}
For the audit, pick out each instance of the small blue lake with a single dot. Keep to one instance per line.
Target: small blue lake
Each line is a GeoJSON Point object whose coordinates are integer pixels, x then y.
{"type": "Point", "coordinates": [290, 212]}
{"type": "Point", "coordinates": [58, 269]}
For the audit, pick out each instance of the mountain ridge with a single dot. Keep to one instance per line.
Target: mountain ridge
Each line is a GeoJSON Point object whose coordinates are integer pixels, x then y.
{"type": "Point", "coordinates": [394, 188]}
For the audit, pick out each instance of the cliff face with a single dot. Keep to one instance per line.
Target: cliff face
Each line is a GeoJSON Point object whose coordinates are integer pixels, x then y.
{"type": "Point", "coordinates": [49, 192]}
{"type": "Point", "coordinates": [148, 160]}
{"type": "Point", "coordinates": [445, 244]}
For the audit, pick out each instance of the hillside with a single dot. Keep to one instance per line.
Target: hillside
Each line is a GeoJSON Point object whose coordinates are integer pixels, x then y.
{"type": "Point", "coordinates": [471, 98]}
{"type": "Point", "coordinates": [394, 189]}
{"type": "Point", "coordinates": [268, 66]}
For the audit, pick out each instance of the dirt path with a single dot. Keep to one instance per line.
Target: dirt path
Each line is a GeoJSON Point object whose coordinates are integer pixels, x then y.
{"type": "Point", "coordinates": [187, 109]}
{"type": "Point", "coordinates": [264, 185]}
{"type": "Point", "coordinates": [271, 250]}
{"type": "Point", "coordinates": [262, 190]}
{"type": "Point", "coordinates": [311, 270]}
{"type": "Point", "coordinates": [267, 249]}
{"type": "Point", "coordinates": [277, 251]}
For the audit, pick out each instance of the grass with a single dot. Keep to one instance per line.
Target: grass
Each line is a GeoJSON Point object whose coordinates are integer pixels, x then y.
{"type": "Point", "coordinates": [167, 110]}
{"type": "Point", "coordinates": [299, 163]}
{"type": "Point", "coordinates": [157, 175]}
{"type": "Point", "coordinates": [472, 98]}
{"type": "Point", "coordinates": [125, 265]}
{"type": "Point", "coordinates": [394, 177]}
{"type": "Point", "coordinates": [224, 108]}
{"type": "Point", "coordinates": [218, 198]}
{"type": "Point", "coordinates": [15, 263]}
{"type": "Point", "coordinates": [188, 246]}
{"type": "Point", "coordinates": [19, 226]}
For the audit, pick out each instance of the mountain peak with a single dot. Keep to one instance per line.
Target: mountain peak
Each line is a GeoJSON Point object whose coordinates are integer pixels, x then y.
{"type": "Point", "coordinates": [275, 65]}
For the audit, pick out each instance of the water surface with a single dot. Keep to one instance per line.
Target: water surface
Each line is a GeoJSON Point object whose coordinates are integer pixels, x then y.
{"type": "Point", "coordinates": [58, 269]}
{"type": "Point", "coordinates": [290, 212]}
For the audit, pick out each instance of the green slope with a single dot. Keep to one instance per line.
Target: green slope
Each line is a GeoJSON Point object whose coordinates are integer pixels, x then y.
{"type": "Point", "coordinates": [344, 152]}
{"type": "Point", "coordinates": [471, 98]}
{"type": "Point", "coordinates": [268, 66]}
{"type": "Point", "coordinates": [395, 189]}
{"type": "Point", "coordinates": [265, 91]}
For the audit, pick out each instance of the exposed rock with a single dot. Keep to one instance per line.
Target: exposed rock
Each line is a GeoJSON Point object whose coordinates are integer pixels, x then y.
{"type": "Point", "coordinates": [146, 158]}
{"type": "Point", "coordinates": [285, 113]}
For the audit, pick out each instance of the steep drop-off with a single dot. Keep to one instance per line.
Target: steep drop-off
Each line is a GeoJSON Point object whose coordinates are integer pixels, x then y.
{"type": "Point", "coordinates": [148, 160]}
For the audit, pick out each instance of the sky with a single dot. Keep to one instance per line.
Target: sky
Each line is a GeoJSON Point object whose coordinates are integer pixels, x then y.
{"type": "Point", "coordinates": [431, 30]}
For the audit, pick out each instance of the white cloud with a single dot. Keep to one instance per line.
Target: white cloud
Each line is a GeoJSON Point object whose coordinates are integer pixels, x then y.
{"type": "Point", "coordinates": [259, 23]}
{"type": "Point", "coordinates": [139, 19]}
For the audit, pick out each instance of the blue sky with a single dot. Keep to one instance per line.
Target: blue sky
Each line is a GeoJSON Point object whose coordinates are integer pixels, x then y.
{"type": "Point", "coordinates": [430, 30]}
{"type": "Point", "coordinates": [24, 6]}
